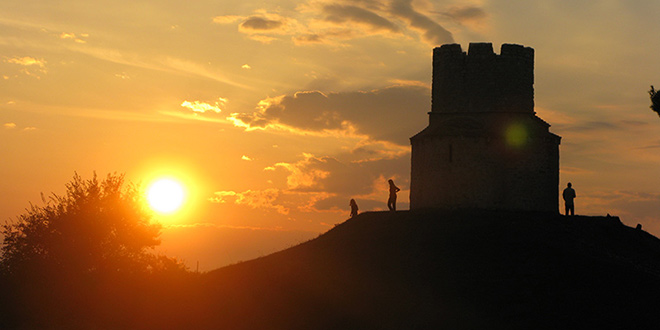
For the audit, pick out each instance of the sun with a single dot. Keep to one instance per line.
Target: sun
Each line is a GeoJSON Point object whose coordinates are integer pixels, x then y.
{"type": "Point", "coordinates": [166, 195]}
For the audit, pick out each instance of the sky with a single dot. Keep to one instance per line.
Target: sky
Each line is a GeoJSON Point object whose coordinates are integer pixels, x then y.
{"type": "Point", "coordinates": [275, 114]}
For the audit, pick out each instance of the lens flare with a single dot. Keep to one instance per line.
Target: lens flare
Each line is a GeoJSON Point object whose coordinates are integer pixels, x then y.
{"type": "Point", "coordinates": [516, 135]}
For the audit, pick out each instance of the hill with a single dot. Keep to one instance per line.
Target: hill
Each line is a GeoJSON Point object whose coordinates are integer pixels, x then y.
{"type": "Point", "coordinates": [449, 270]}
{"type": "Point", "coordinates": [395, 270]}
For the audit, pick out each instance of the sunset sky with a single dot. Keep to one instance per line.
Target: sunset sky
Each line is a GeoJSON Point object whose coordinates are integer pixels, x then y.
{"type": "Point", "coordinates": [275, 114]}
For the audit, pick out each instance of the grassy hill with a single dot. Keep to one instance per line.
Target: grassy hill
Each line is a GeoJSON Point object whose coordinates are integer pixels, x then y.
{"type": "Point", "coordinates": [402, 270]}
{"type": "Point", "coordinates": [443, 270]}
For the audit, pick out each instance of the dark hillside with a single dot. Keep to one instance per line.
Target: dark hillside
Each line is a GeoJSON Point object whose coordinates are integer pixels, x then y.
{"type": "Point", "coordinates": [451, 270]}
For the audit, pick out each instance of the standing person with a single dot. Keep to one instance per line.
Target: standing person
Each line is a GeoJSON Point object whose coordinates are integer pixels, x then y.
{"type": "Point", "coordinates": [391, 202]}
{"type": "Point", "coordinates": [354, 208]}
{"type": "Point", "coordinates": [569, 196]}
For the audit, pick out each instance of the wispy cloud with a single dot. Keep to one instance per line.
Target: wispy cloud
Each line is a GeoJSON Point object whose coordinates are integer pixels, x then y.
{"type": "Point", "coordinates": [227, 19]}
{"type": "Point", "coordinates": [341, 14]}
{"type": "Point", "coordinates": [330, 22]}
{"type": "Point", "coordinates": [30, 66]}
{"type": "Point", "coordinates": [202, 107]}
{"type": "Point", "coordinates": [72, 36]}
{"type": "Point", "coordinates": [14, 126]}
{"type": "Point", "coordinates": [27, 61]}
{"type": "Point", "coordinates": [432, 31]}
{"type": "Point", "coordinates": [164, 64]}
{"type": "Point", "coordinates": [261, 24]}
{"type": "Point", "coordinates": [470, 15]}
{"type": "Point", "coordinates": [257, 199]}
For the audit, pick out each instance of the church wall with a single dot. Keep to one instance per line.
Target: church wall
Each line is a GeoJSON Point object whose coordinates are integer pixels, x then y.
{"type": "Point", "coordinates": [478, 172]}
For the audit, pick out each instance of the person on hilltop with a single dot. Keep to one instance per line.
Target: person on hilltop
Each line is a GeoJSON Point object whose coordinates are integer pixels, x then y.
{"type": "Point", "coordinates": [569, 196]}
{"type": "Point", "coordinates": [354, 208]}
{"type": "Point", "coordinates": [391, 202]}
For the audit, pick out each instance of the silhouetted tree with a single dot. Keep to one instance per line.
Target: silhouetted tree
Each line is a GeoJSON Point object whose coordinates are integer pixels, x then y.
{"type": "Point", "coordinates": [85, 252]}
{"type": "Point", "coordinates": [95, 227]}
{"type": "Point", "coordinates": [655, 100]}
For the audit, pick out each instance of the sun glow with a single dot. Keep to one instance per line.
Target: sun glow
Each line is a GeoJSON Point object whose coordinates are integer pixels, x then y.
{"type": "Point", "coordinates": [166, 195]}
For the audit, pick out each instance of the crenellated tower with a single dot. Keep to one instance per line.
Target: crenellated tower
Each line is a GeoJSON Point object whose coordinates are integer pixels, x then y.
{"type": "Point", "coordinates": [484, 146]}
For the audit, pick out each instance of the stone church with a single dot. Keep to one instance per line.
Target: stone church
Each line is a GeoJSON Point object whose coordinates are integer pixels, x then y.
{"type": "Point", "coordinates": [484, 146]}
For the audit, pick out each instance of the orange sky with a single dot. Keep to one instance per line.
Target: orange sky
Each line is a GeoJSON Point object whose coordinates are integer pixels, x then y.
{"type": "Point", "coordinates": [275, 115]}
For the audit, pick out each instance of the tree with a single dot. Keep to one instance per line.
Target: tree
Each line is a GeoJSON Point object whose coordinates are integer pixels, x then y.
{"type": "Point", "coordinates": [96, 227]}
{"type": "Point", "coordinates": [84, 260]}
{"type": "Point", "coordinates": [655, 100]}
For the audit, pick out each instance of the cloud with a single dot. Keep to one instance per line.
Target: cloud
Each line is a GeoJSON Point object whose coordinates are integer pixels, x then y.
{"type": "Point", "coordinates": [257, 199]}
{"type": "Point", "coordinates": [330, 182]}
{"type": "Point", "coordinates": [322, 184]}
{"type": "Point", "coordinates": [471, 16]}
{"type": "Point", "coordinates": [245, 66]}
{"type": "Point", "coordinates": [331, 22]}
{"type": "Point", "coordinates": [260, 24]}
{"type": "Point", "coordinates": [391, 114]}
{"type": "Point", "coordinates": [311, 38]}
{"type": "Point", "coordinates": [432, 32]}
{"type": "Point", "coordinates": [122, 75]}
{"type": "Point", "coordinates": [341, 14]}
{"type": "Point", "coordinates": [466, 13]}
{"type": "Point", "coordinates": [13, 126]}
{"type": "Point", "coordinates": [72, 36]}
{"type": "Point", "coordinates": [597, 125]}
{"type": "Point", "coordinates": [221, 197]}
{"type": "Point", "coordinates": [203, 107]}
{"type": "Point", "coordinates": [164, 64]}
{"type": "Point", "coordinates": [244, 157]}
{"type": "Point", "coordinates": [227, 19]}
{"type": "Point", "coordinates": [304, 175]}
{"type": "Point", "coordinates": [30, 66]}
{"type": "Point", "coordinates": [27, 61]}
{"type": "Point", "coordinates": [266, 27]}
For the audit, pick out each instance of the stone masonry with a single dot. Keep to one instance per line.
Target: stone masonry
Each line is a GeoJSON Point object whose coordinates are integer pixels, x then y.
{"type": "Point", "coordinates": [484, 147]}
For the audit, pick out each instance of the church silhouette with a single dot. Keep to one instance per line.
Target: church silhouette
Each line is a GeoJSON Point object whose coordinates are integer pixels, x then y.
{"type": "Point", "coordinates": [484, 147]}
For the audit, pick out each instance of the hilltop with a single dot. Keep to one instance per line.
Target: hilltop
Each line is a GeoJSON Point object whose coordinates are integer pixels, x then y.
{"type": "Point", "coordinates": [403, 270]}
{"type": "Point", "coordinates": [452, 270]}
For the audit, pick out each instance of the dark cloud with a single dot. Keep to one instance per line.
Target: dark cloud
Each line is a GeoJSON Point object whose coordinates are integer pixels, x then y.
{"type": "Point", "coordinates": [261, 24]}
{"type": "Point", "coordinates": [312, 38]}
{"type": "Point", "coordinates": [392, 114]}
{"type": "Point", "coordinates": [432, 31]}
{"type": "Point", "coordinates": [341, 14]}
{"type": "Point", "coordinates": [466, 13]}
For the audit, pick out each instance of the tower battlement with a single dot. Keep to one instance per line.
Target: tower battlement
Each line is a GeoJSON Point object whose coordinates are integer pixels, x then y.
{"type": "Point", "coordinates": [480, 80]}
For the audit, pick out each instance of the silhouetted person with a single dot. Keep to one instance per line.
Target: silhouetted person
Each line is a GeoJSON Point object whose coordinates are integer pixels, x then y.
{"type": "Point", "coordinates": [354, 208]}
{"type": "Point", "coordinates": [569, 196]}
{"type": "Point", "coordinates": [391, 202]}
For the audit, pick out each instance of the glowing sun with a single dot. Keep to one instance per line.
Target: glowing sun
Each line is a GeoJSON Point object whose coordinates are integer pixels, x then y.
{"type": "Point", "coordinates": [165, 195]}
